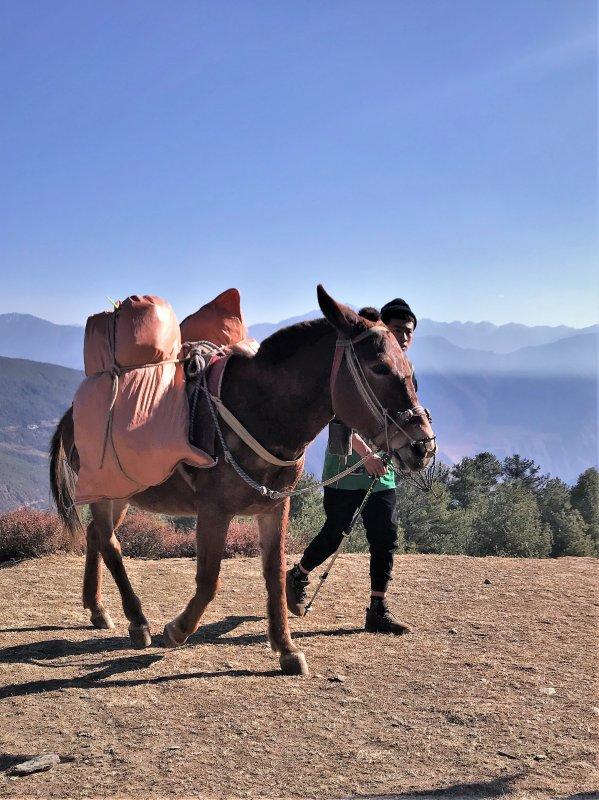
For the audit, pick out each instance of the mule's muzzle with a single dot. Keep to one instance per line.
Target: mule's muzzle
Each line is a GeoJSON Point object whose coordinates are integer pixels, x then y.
{"type": "Point", "coordinates": [417, 454]}
{"type": "Point", "coordinates": [424, 447]}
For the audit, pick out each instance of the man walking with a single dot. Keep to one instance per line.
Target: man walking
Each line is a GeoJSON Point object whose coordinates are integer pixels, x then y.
{"type": "Point", "coordinates": [342, 498]}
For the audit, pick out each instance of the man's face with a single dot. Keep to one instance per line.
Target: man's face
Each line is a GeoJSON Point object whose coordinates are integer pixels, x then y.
{"type": "Point", "coordinates": [403, 330]}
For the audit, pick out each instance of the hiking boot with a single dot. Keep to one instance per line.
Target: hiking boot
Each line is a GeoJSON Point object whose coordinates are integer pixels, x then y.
{"type": "Point", "coordinates": [295, 585]}
{"type": "Point", "coordinates": [380, 620]}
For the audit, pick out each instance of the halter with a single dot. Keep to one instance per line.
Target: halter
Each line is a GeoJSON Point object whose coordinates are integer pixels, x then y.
{"type": "Point", "coordinates": [345, 347]}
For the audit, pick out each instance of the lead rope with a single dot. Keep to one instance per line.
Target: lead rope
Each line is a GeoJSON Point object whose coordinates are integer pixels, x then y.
{"type": "Point", "coordinates": [344, 536]}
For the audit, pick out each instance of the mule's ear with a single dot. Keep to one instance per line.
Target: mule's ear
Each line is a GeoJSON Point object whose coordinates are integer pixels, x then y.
{"type": "Point", "coordinates": [340, 316]}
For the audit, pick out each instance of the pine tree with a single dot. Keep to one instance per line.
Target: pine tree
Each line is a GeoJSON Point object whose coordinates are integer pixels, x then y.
{"type": "Point", "coordinates": [569, 530]}
{"type": "Point", "coordinates": [585, 498]}
{"type": "Point", "coordinates": [474, 477]}
{"type": "Point", "coordinates": [523, 470]}
{"type": "Point", "coordinates": [510, 525]}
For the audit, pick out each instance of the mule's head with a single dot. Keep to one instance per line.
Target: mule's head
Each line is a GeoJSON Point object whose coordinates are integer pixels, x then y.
{"type": "Point", "coordinates": [384, 371]}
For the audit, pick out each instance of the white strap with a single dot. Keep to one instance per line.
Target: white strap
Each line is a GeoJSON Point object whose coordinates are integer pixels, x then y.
{"type": "Point", "coordinates": [247, 437]}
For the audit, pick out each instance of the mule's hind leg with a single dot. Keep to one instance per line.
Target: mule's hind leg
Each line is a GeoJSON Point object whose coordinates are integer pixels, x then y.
{"type": "Point", "coordinates": [273, 526]}
{"type": "Point", "coordinates": [107, 516]}
{"type": "Point", "coordinates": [92, 581]}
{"type": "Point", "coordinates": [211, 534]}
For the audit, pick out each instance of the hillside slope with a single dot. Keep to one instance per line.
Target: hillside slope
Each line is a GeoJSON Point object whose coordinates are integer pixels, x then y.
{"type": "Point", "coordinates": [33, 397]}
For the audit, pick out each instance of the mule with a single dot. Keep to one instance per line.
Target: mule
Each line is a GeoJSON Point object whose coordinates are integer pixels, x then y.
{"type": "Point", "coordinates": [284, 395]}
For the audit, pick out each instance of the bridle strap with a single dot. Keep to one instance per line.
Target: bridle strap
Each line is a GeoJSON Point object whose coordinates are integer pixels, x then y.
{"type": "Point", "coordinates": [341, 346]}
{"type": "Point", "coordinates": [345, 347]}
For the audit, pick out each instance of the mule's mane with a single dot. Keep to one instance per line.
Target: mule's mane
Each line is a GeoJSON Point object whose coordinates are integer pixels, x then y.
{"type": "Point", "coordinates": [284, 343]}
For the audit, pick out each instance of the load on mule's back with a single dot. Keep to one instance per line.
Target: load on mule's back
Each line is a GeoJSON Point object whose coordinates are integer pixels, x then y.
{"type": "Point", "coordinates": [131, 413]}
{"type": "Point", "coordinates": [279, 400]}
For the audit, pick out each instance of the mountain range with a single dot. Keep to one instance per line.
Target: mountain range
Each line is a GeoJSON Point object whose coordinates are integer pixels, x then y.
{"type": "Point", "coordinates": [538, 398]}
{"type": "Point", "coordinates": [26, 336]}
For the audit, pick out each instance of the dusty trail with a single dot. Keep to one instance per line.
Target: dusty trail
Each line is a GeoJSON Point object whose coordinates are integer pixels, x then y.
{"type": "Point", "coordinates": [462, 705]}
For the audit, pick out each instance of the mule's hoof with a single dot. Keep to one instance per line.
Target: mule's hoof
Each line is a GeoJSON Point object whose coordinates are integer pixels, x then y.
{"type": "Point", "coordinates": [101, 619]}
{"type": "Point", "coordinates": [172, 637]}
{"type": "Point", "coordinates": [294, 664]}
{"type": "Point", "coordinates": [140, 635]}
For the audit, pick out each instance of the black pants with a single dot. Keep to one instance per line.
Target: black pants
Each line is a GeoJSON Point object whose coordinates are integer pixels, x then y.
{"type": "Point", "coordinates": [379, 520]}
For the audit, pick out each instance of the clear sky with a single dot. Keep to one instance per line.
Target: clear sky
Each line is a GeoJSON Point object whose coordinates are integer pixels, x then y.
{"type": "Point", "coordinates": [439, 150]}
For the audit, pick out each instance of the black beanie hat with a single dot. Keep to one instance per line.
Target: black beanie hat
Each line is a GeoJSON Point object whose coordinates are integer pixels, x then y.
{"type": "Point", "coordinates": [397, 308]}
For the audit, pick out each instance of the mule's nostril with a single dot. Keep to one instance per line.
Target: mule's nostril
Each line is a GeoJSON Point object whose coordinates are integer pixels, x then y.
{"type": "Point", "coordinates": [419, 448]}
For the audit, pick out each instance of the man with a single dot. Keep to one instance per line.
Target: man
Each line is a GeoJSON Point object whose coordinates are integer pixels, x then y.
{"type": "Point", "coordinates": [341, 499]}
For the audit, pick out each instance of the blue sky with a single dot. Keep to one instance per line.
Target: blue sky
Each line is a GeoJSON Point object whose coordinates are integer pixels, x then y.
{"type": "Point", "coordinates": [440, 151]}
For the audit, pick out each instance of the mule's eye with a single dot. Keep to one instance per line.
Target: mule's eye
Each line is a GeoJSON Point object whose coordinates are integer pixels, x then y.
{"type": "Point", "coordinates": [381, 369]}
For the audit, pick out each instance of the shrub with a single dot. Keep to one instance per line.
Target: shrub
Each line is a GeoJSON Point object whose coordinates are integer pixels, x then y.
{"type": "Point", "coordinates": [144, 535]}
{"type": "Point", "coordinates": [242, 539]}
{"type": "Point", "coordinates": [29, 533]}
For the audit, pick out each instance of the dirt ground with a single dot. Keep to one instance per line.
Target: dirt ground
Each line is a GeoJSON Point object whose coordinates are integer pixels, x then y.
{"type": "Point", "coordinates": [493, 693]}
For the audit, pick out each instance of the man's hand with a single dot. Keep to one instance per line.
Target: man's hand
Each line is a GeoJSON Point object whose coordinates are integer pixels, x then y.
{"type": "Point", "coordinates": [375, 466]}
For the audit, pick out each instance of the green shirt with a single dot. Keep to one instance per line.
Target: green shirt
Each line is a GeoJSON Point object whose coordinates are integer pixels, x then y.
{"type": "Point", "coordinates": [360, 479]}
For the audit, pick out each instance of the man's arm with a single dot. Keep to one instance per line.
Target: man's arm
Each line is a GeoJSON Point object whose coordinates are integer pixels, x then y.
{"type": "Point", "coordinates": [374, 465]}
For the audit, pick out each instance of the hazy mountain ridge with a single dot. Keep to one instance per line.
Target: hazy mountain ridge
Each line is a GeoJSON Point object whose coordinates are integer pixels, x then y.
{"type": "Point", "coordinates": [482, 336]}
{"type": "Point", "coordinates": [29, 337]}
{"type": "Point", "coordinates": [574, 355]}
{"type": "Point", "coordinates": [499, 339]}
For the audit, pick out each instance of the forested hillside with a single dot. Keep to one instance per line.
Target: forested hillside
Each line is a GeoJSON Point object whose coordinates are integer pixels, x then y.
{"type": "Point", "coordinates": [33, 397]}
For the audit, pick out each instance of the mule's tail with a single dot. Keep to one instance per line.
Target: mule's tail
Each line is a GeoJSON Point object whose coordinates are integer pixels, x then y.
{"type": "Point", "coordinates": [62, 478]}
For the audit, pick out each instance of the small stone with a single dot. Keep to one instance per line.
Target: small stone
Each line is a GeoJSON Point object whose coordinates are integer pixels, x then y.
{"type": "Point", "coordinates": [37, 764]}
{"type": "Point", "coordinates": [487, 582]}
{"type": "Point", "coordinates": [540, 757]}
{"type": "Point", "coordinates": [318, 675]}
{"type": "Point", "coordinates": [548, 690]}
{"type": "Point", "coordinates": [338, 678]}
{"type": "Point", "coordinates": [595, 710]}
{"type": "Point", "coordinates": [505, 754]}
{"type": "Point", "coordinates": [453, 630]}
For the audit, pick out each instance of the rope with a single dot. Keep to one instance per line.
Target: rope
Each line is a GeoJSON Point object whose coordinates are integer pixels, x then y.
{"type": "Point", "coordinates": [272, 494]}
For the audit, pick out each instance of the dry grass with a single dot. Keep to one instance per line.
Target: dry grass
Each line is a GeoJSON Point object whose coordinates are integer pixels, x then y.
{"type": "Point", "coordinates": [466, 711]}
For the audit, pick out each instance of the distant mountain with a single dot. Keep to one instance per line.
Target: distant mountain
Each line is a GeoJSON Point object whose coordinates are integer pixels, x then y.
{"type": "Point", "coordinates": [498, 338]}
{"type": "Point", "coordinates": [26, 336]}
{"type": "Point", "coordinates": [550, 419]}
{"type": "Point", "coordinates": [261, 330]}
{"type": "Point", "coordinates": [575, 355]}
{"type": "Point", "coordinates": [33, 397]}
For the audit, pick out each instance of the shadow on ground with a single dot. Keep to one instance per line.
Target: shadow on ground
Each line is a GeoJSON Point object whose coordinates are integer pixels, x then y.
{"type": "Point", "coordinates": [42, 653]}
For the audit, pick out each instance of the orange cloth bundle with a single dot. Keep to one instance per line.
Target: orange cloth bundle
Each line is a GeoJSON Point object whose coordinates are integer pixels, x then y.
{"type": "Point", "coordinates": [219, 321]}
{"type": "Point", "coordinates": [131, 413]}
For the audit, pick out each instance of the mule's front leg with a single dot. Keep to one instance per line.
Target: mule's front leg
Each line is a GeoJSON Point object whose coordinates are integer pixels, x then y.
{"type": "Point", "coordinates": [210, 537]}
{"type": "Point", "coordinates": [273, 527]}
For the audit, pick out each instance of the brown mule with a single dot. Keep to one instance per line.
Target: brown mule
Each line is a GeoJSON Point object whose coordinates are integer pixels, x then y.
{"type": "Point", "coordinates": [284, 398]}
